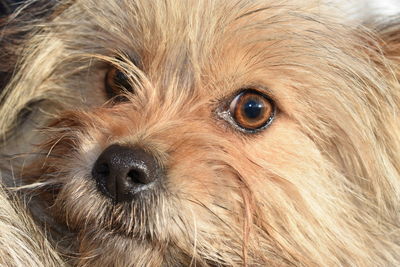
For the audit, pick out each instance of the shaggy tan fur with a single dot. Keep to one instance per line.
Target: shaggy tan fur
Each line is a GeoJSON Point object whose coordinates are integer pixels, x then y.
{"type": "Point", "coordinates": [319, 187]}
{"type": "Point", "coordinates": [21, 242]}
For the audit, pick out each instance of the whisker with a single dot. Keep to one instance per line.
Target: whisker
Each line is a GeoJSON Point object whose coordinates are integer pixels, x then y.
{"type": "Point", "coordinates": [193, 260]}
{"type": "Point", "coordinates": [37, 185]}
{"type": "Point", "coordinates": [27, 154]}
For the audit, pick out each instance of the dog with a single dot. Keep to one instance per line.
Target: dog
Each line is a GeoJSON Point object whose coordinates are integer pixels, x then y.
{"type": "Point", "coordinates": [198, 133]}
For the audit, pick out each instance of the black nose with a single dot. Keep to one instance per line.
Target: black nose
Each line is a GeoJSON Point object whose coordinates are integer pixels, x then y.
{"type": "Point", "coordinates": [120, 172]}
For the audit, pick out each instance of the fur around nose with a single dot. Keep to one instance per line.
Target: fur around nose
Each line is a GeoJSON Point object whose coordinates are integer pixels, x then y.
{"type": "Point", "coordinates": [120, 172]}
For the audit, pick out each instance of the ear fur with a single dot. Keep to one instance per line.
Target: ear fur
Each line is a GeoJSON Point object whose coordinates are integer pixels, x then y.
{"type": "Point", "coordinates": [389, 33]}
{"type": "Point", "coordinates": [17, 23]}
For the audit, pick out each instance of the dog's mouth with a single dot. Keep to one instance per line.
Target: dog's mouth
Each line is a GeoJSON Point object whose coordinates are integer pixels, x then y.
{"type": "Point", "coordinates": [126, 203]}
{"type": "Point", "coordinates": [135, 216]}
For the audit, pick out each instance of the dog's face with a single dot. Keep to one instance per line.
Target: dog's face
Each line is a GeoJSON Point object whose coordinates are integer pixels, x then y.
{"type": "Point", "coordinates": [210, 133]}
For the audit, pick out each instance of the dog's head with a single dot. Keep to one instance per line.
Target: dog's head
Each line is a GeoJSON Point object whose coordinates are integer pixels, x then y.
{"type": "Point", "coordinates": [209, 133]}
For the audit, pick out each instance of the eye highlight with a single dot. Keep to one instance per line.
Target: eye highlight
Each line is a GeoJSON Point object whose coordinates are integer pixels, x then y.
{"type": "Point", "coordinates": [252, 110]}
{"type": "Point", "coordinates": [116, 84]}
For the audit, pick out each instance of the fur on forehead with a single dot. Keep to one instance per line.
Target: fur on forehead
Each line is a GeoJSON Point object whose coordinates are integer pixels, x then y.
{"type": "Point", "coordinates": [179, 47]}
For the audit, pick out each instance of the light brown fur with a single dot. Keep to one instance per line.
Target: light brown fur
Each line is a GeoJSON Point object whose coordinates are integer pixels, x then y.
{"type": "Point", "coordinates": [319, 187]}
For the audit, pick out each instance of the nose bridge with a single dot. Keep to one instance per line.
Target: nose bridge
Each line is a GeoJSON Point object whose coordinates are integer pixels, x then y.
{"type": "Point", "coordinates": [178, 103]}
{"type": "Point", "coordinates": [165, 123]}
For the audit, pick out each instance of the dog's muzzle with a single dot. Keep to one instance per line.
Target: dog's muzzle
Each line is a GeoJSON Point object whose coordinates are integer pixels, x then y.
{"type": "Point", "coordinates": [121, 172]}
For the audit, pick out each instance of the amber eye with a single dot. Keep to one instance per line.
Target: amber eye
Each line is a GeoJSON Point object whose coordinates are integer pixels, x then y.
{"type": "Point", "coordinates": [116, 84]}
{"type": "Point", "coordinates": [252, 110]}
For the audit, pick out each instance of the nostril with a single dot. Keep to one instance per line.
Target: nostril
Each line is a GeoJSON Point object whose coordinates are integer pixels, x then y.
{"type": "Point", "coordinates": [138, 177]}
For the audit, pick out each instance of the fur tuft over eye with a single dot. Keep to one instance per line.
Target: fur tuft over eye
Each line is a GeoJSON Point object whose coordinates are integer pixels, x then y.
{"type": "Point", "coordinates": [117, 84]}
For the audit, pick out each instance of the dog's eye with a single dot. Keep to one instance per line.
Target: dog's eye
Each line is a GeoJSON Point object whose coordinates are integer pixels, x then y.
{"type": "Point", "coordinates": [252, 110]}
{"type": "Point", "coordinates": [116, 84]}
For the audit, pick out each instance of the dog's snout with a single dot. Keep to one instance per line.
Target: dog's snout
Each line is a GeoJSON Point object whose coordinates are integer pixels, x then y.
{"type": "Point", "coordinates": [120, 172]}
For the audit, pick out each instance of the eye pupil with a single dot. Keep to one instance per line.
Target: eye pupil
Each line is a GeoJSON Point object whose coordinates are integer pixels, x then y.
{"type": "Point", "coordinates": [121, 79]}
{"type": "Point", "coordinates": [253, 109]}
